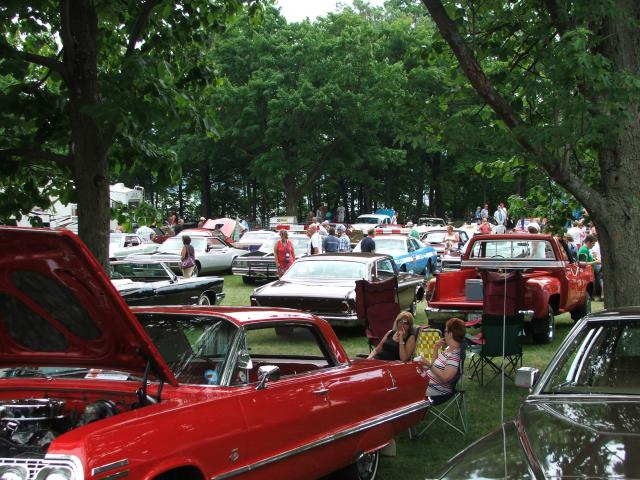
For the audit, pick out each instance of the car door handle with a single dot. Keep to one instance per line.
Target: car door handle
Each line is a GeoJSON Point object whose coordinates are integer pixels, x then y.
{"type": "Point", "coordinates": [321, 391]}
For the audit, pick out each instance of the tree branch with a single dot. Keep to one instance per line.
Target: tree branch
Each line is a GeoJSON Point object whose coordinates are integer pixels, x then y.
{"type": "Point", "coordinates": [557, 168]}
{"type": "Point", "coordinates": [558, 14]}
{"type": "Point", "coordinates": [139, 25]}
{"type": "Point", "coordinates": [7, 51]}
{"type": "Point", "coordinates": [37, 156]}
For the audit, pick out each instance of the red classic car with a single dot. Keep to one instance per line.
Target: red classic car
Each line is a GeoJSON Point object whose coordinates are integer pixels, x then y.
{"type": "Point", "coordinates": [550, 281]}
{"type": "Point", "coordinates": [91, 389]}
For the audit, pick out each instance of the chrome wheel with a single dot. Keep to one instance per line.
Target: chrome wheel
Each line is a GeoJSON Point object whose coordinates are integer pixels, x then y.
{"type": "Point", "coordinates": [367, 466]}
{"type": "Point", "coordinates": [204, 300]}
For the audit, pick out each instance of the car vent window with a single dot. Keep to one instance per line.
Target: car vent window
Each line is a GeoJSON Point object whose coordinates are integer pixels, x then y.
{"type": "Point", "coordinates": [58, 301]}
{"type": "Point", "coordinates": [28, 329]}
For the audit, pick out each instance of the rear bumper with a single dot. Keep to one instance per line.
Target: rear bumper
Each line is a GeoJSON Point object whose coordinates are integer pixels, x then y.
{"type": "Point", "coordinates": [439, 316]}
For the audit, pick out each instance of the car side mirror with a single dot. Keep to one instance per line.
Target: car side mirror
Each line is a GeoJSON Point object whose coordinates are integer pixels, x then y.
{"type": "Point", "coordinates": [244, 360]}
{"type": "Point", "coordinates": [526, 377]}
{"type": "Point", "coordinates": [267, 373]}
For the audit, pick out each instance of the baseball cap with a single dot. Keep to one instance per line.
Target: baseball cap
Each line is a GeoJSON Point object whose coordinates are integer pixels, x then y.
{"type": "Point", "coordinates": [340, 228]}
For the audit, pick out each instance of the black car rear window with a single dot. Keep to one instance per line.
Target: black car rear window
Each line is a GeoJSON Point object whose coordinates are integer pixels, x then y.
{"type": "Point", "coordinates": [57, 300]}
{"type": "Point", "coordinates": [28, 329]}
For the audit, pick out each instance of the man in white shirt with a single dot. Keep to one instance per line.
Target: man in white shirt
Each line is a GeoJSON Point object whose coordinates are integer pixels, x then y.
{"type": "Point", "coordinates": [576, 232]}
{"type": "Point", "coordinates": [314, 245]}
{"type": "Point", "coordinates": [145, 233]}
{"type": "Point", "coordinates": [499, 217]}
{"type": "Point", "coordinates": [340, 211]}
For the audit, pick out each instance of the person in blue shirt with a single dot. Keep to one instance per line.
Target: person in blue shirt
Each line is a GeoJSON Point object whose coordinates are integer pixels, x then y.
{"type": "Point", "coordinates": [344, 245]}
{"type": "Point", "coordinates": [330, 243]}
{"type": "Point", "coordinates": [368, 244]}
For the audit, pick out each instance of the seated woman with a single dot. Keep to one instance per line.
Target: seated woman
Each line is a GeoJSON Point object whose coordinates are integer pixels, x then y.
{"type": "Point", "coordinates": [444, 366]}
{"type": "Point", "coordinates": [451, 239]}
{"type": "Point", "coordinates": [399, 343]}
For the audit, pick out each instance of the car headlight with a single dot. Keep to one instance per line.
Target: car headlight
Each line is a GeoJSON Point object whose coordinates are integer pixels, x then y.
{"type": "Point", "coordinates": [13, 473]}
{"type": "Point", "coordinates": [54, 473]}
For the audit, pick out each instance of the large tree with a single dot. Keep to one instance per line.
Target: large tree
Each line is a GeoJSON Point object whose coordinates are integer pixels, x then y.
{"type": "Point", "coordinates": [77, 74]}
{"type": "Point", "coordinates": [563, 77]}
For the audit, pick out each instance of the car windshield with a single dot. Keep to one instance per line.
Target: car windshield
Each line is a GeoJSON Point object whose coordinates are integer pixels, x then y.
{"type": "Point", "coordinates": [139, 271]}
{"type": "Point", "coordinates": [267, 246]}
{"type": "Point", "coordinates": [325, 270]}
{"type": "Point", "coordinates": [434, 237]}
{"type": "Point", "coordinates": [116, 240]}
{"type": "Point", "coordinates": [256, 237]}
{"type": "Point", "coordinates": [390, 246]}
{"type": "Point", "coordinates": [431, 222]}
{"type": "Point", "coordinates": [513, 249]}
{"type": "Point", "coordinates": [174, 244]}
{"type": "Point", "coordinates": [602, 359]}
{"type": "Point", "coordinates": [195, 348]}
{"type": "Point", "coordinates": [367, 219]}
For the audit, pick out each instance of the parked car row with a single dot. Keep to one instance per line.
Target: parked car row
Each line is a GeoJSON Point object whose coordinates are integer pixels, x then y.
{"type": "Point", "coordinates": [93, 388]}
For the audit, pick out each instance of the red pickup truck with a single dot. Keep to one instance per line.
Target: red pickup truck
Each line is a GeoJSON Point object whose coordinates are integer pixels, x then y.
{"type": "Point", "coordinates": [549, 280]}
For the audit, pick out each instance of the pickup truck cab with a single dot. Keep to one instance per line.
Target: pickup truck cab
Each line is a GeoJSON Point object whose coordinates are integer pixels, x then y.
{"type": "Point", "coordinates": [552, 282]}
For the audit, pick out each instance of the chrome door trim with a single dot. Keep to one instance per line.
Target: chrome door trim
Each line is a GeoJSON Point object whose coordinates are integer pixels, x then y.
{"type": "Point", "coordinates": [365, 425]}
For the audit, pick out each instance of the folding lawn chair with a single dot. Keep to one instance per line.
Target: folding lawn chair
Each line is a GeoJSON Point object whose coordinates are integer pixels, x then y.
{"type": "Point", "coordinates": [378, 304]}
{"type": "Point", "coordinates": [483, 356]}
{"type": "Point", "coordinates": [449, 409]}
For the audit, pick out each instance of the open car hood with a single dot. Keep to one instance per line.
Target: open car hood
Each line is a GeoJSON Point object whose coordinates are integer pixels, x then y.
{"type": "Point", "coordinates": [59, 308]}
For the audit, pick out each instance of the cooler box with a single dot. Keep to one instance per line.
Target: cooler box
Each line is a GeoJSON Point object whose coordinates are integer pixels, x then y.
{"type": "Point", "coordinates": [473, 289]}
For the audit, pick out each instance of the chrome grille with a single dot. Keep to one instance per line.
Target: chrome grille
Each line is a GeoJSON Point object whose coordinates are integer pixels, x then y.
{"type": "Point", "coordinates": [34, 465]}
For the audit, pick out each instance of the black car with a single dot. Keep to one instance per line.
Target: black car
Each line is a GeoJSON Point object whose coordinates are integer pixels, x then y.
{"type": "Point", "coordinates": [153, 283]}
{"type": "Point", "coordinates": [325, 285]}
{"type": "Point", "coordinates": [582, 418]}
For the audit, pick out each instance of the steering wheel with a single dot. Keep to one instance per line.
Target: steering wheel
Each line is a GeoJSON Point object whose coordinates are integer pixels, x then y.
{"type": "Point", "coordinates": [497, 255]}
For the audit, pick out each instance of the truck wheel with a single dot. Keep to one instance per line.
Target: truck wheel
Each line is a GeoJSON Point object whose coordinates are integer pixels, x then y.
{"type": "Point", "coordinates": [365, 468]}
{"type": "Point", "coordinates": [544, 329]}
{"type": "Point", "coordinates": [584, 309]}
{"type": "Point", "coordinates": [247, 280]}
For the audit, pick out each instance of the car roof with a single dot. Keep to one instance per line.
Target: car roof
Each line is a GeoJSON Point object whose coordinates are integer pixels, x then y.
{"type": "Point", "coordinates": [238, 315]}
{"type": "Point", "coordinates": [391, 236]}
{"type": "Point", "coordinates": [621, 313]}
{"type": "Point", "coordinates": [514, 236]}
{"type": "Point", "coordinates": [348, 256]}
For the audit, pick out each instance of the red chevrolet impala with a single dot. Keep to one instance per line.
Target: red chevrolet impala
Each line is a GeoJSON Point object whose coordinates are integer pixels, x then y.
{"type": "Point", "coordinates": [92, 389]}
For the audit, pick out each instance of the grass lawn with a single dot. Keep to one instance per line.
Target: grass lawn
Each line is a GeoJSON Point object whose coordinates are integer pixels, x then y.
{"type": "Point", "coordinates": [423, 457]}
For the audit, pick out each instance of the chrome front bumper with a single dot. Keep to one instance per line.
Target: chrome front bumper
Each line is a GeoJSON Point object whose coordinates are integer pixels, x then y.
{"type": "Point", "coordinates": [256, 272]}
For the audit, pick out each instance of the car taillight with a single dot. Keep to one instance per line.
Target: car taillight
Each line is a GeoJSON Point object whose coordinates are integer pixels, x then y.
{"type": "Point", "coordinates": [254, 302]}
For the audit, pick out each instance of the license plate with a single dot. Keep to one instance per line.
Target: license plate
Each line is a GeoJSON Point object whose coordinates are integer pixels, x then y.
{"type": "Point", "coordinates": [471, 317]}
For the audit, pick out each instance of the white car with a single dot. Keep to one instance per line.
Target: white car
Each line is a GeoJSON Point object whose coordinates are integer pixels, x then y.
{"type": "Point", "coordinates": [213, 254]}
{"type": "Point", "coordinates": [254, 239]}
{"type": "Point", "coordinates": [124, 244]}
{"type": "Point", "coordinates": [370, 220]}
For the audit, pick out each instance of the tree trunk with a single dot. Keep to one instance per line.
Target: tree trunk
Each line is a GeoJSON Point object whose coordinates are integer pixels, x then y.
{"type": "Point", "coordinates": [180, 199]}
{"type": "Point", "coordinates": [419, 189]}
{"type": "Point", "coordinates": [291, 195]}
{"type": "Point", "coordinates": [90, 165]}
{"type": "Point", "coordinates": [436, 184]}
{"type": "Point", "coordinates": [205, 190]}
{"type": "Point", "coordinates": [614, 202]}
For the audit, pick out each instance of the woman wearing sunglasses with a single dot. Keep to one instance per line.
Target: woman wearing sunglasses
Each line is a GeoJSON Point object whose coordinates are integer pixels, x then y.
{"type": "Point", "coordinates": [398, 343]}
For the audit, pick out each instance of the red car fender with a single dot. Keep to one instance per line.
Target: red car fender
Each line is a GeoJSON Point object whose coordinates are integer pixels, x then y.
{"type": "Point", "coordinates": [376, 438]}
{"type": "Point", "coordinates": [173, 463]}
{"type": "Point", "coordinates": [538, 291]}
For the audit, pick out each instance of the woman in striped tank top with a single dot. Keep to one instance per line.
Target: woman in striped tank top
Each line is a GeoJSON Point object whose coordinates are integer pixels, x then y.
{"type": "Point", "coordinates": [444, 366]}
